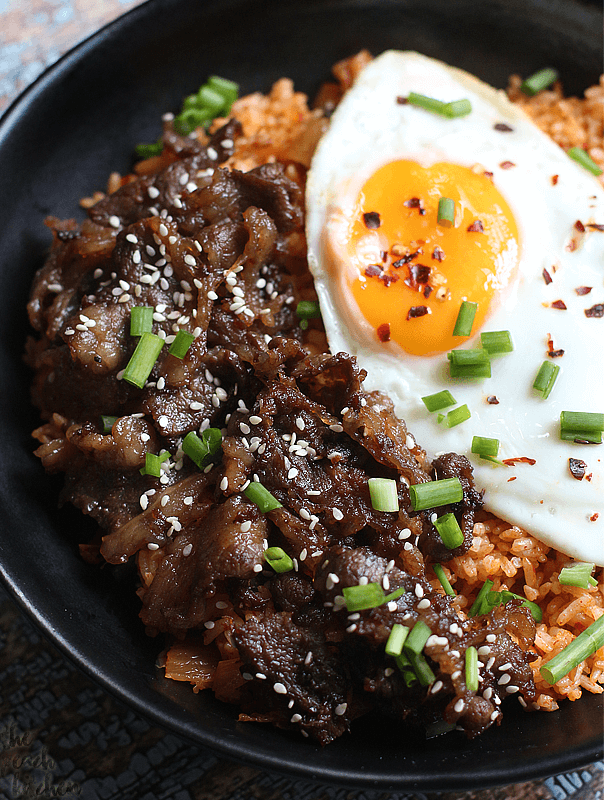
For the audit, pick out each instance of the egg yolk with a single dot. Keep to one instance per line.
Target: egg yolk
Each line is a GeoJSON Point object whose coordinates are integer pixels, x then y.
{"type": "Point", "coordinates": [408, 272]}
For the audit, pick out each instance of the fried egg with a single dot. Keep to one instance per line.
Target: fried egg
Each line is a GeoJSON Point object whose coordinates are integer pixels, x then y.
{"type": "Point", "coordinates": [525, 246]}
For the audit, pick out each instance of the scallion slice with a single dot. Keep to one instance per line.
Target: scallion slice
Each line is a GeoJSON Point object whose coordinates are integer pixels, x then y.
{"type": "Point", "coordinates": [480, 606]}
{"type": "Point", "coordinates": [149, 150]}
{"type": "Point", "coordinates": [143, 359]}
{"type": "Point", "coordinates": [465, 319]}
{"type": "Point", "coordinates": [278, 559]}
{"type": "Point", "coordinates": [578, 574]}
{"type": "Point", "coordinates": [449, 531]}
{"type": "Point", "coordinates": [383, 493]}
{"type": "Point", "coordinates": [228, 89]}
{"type": "Point", "coordinates": [308, 309]}
{"type": "Point", "coordinates": [444, 582]}
{"type": "Point", "coordinates": [539, 80]}
{"type": "Point", "coordinates": [591, 437]}
{"type": "Point", "coordinates": [422, 669]}
{"type": "Point", "coordinates": [483, 446]}
{"type": "Point", "coordinates": [200, 448]}
{"type": "Point", "coordinates": [457, 416]}
{"type": "Point", "coordinates": [107, 423]}
{"type": "Point", "coordinates": [261, 496]}
{"type": "Point", "coordinates": [434, 402]}
{"type": "Point", "coordinates": [479, 370]}
{"type": "Point", "coordinates": [361, 598]}
{"type": "Point", "coordinates": [446, 212]}
{"type": "Point", "coordinates": [545, 379]}
{"type": "Point", "coordinates": [141, 320]}
{"type": "Point", "coordinates": [468, 357]}
{"type": "Point", "coordinates": [458, 108]}
{"type": "Point", "coordinates": [435, 493]}
{"type": "Point", "coordinates": [496, 342]}
{"type": "Point", "coordinates": [210, 99]}
{"type": "Point", "coordinates": [181, 344]}
{"type": "Point", "coordinates": [583, 158]}
{"type": "Point", "coordinates": [471, 671]}
{"type": "Point", "coordinates": [581, 421]}
{"type": "Point", "coordinates": [501, 598]}
{"type": "Point", "coordinates": [578, 650]}
{"type": "Point", "coordinates": [417, 638]}
{"type": "Point", "coordinates": [396, 639]}
{"type": "Point", "coordinates": [153, 463]}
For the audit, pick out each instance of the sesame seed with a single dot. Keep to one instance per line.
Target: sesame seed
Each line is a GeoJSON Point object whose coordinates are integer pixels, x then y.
{"type": "Point", "coordinates": [261, 676]}
{"type": "Point", "coordinates": [114, 221]}
{"type": "Point", "coordinates": [212, 153]}
{"type": "Point", "coordinates": [224, 484]}
{"type": "Point", "coordinates": [512, 689]}
{"type": "Point", "coordinates": [436, 687]}
{"type": "Point", "coordinates": [296, 718]}
{"type": "Point", "coordinates": [522, 701]}
{"type": "Point", "coordinates": [153, 192]}
{"type": "Point", "coordinates": [246, 675]}
{"type": "Point", "coordinates": [404, 534]}
{"type": "Point", "coordinates": [351, 628]}
{"type": "Point", "coordinates": [484, 650]}
{"type": "Point", "coordinates": [388, 672]}
{"type": "Point", "coordinates": [425, 603]}
{"type": "Point", "coordinates": [187, 550]}
{"type": "Point", "coordinates": [459, 706]}
{"type": "Point", "coordinates": [291, 474]}
{"type": "Point", "coordinates": [494, 715]}
{"type": "Point", "coordinates": [455, 675]}
{"type": "Point", "coordinates": [505, 678]}
{"type": "Point", "coordinates": [258, 568]}
{"type": "Point", "coordinates": [130, 237]}
{"type": "Point", "coordinates": [279, 688]}
{"type": "Point", "coordinates": [341, 709]}
{"type": "Point", "coordinates": [490, 662]}
{"type": "Point", "coordinates": [337, 514]}
{"type": "Point", "coordinates": [245, 526]}
{"type": "Point", "coordinates": [386, 583]}
{"type": "Point", "coordinates": [419, 592]}
{"type": "Point", "coordinates": [163, 421]}
{"type": "Point", "coordinates": [152, 546]}
{"type": "Point", "coordinates": [488, 693]}
{"type": "Point", "coordinates": [491, 638]}
{"type": "Point", "coordinates": [336, 428]}
{"type": "Point", "coordinates": [190, 260]}
{"type": "Point", "coordinates": [410, 441]}
{"type": "Point", "coordinates": [392, 606]}
{"type": "Point", "coordinates": [163, 231]}
{"type": "Point", "coordinates": [363, 580]}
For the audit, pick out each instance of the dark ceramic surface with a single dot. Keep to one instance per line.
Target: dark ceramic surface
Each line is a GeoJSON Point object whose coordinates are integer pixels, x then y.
{"type": "Point", "coordinates": [58, 142]}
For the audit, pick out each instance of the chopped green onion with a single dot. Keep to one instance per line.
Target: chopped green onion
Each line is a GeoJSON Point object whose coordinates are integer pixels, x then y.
{"type": "Point", "coordinates": [479, 370]}
{"type": "Point", "coordinates": [308, 309]}
{"type": "Point", "coordinates": [578, 650]}
{"type": "Point", "coordinates": [153, 463]}
{"type": "Point", "coordinates": [213, 99]}
{"type": "Point", "coordinates": [360, 598]}
{"type": "Point", "coordinates": [199, 449]}
{"type": "Point", "coordinates": [483, 446]}
{"type": "Point", "coordinates": [228, 89]}
{"type": "Point", "coordinates": [468, 357]}
{"type": "Point", "coordinates": [496, 342]}
{"type": "Point", "coordinates": [440, 418]}
{"type": "Point", "coordinates": [406, 667]}
{"type": "Point", "coordinates": [479, 605]}
{"type": "Point", "coordinates": [210, 100]}
{"type": "Point", "coordinates": [144, 150]}
{"type": "Point", "coordinates": [546, 377]}
{"type": "Point", "coordinates": [581, 421]}
{"type": "Point", "coordinates": [465, 319]}
{"type": "Point", "coordinates": [449, 531]}
{"type": "Point", "coordinates": [143, 359]}
{"type": "Point", "coordinates": [417, 638]}
{"type": "Point", "coordinates": [579, 155]}
{"type": "Point", "coordinates": [258, 494]}
{"type": "Point", "coordinates": [578, 574]}
{"type": "Point", "coordinates": [191, 118]}
{"type": "Point", "coordinates": [278, 559]}
{"type": "Point", "coordinates": [592, 437]}
{"type": "Point", "coordinates": [383, 494]}
{"type": "Point", "coordinates": [141, 320]}
{"type": "Point", "coordinates": [457, 416]}
{"type": "Point", "coordinates": [439, 728]}
{"type": "Point", "coordinates": [398, 634]}
{"type": "Point", "coordinates": [493, 460]}
{"type": "Point", "coordinates": [501, 598]}
{"type": "Point", "coordinates": [107, 423]}
{"type": "Point", "coordinates": [435, 493]}
{"type": "Point", "coordinates": [472, 669]}
{"type": "Point", "coordinates": [434, 402]}
{"type": "Point", "coordinates": [446, 212]}
{"type": "Point", "coordinates": [421, 668]}
{"type": "Point", "coordinates": [181, 344]}
{"type": "Point", "coordinates": [458, 108]}
{"type": "Point", "coordinates": [539, 81]}
{"type": "Point", "coordinates": [444, 582]}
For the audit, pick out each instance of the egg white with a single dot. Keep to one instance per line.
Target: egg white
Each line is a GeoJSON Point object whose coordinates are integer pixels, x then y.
{"type": "Point", "coordinates": [370, 129]}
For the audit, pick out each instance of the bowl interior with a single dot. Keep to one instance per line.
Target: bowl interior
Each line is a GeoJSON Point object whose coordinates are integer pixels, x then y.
{"type": "Point", "coordinates": [59, 142]}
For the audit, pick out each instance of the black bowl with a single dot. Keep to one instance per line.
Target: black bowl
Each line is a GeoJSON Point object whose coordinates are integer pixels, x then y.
{"type": "Point", "coordinates": [59, 142]}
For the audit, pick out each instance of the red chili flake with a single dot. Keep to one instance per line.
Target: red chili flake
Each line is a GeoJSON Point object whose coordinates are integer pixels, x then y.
{"type": "Point", "coordinates": [384, 255]}
{"type": "Point", "coordinates": [594, 517]}
{"type": "Point", "coordinates": [387, 279]}
{"type": "Point", "coordinates": [418, 274]}
{"type": "Point", "coordinates": [488, 175]}
{"type": "Point", "coordinates": [492, 400]}
{"type": "Point", "coordinates": [581, 290]}
{"type": "Point", "coordinates": [580, 226]}
{"type": "Point", "coordinates": [503, 127]}
{"type": "Point", "coordinates": [415, 202]}
{"type": "Point", "coordinates": [596, 311]}
{"type": "Point", "coordinates": [371, 220]}
{"type": "Point", "coordinates": [554, 180]}
{"type": "Point", "coordinates": [519, 460]}
{"type": "Point", "coordinates": [571, 246]}
{"type": "Point", "coordinates": [513, 478]}
{"type": "Point", "coordinates": [438, 254]}
{"type": "Point", "coordinates": [427, 291]}
{"type": "Point", "coordinates": [372, 270]}
{"type": "Point", "coordinates": [402, 101]}
{"type": "Point", "coordinates": [577, 468]}
{"type": "Point", "coordinates": [555, 353]}
{"type": "Point", "coordinates": [507, 164]}
{"type": "Point", "coordinates": [559, 304]}
{"type": "Point", "coordinates": [383, 332]}
{"type": "Point", "coordinates": [547, 277]}
{"type": "Point", "coordinates": [595, 226]}
{"type": "Point", "coordinates": [405, 259]}
{"type": "Point", "coordinates": [418, 311]}
{"type": "Point", "coordinates": [476, 227]}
